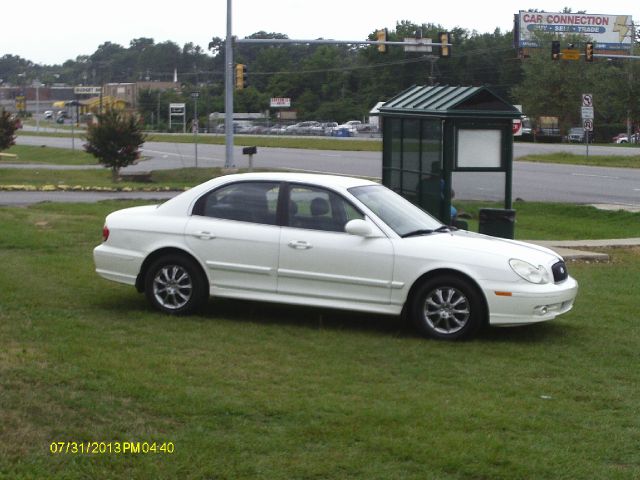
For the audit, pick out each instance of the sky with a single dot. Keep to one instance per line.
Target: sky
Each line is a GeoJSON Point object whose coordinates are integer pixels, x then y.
{"type": "Point", "coordinates": [50, 32]}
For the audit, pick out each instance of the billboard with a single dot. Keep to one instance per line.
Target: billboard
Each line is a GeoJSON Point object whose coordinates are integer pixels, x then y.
{"type": "Point", "coordinates": [87, 90]}
{"type": "Point", "coordinates": [280, 102]}
{"type": "Point", "coordinates": [609, 32]}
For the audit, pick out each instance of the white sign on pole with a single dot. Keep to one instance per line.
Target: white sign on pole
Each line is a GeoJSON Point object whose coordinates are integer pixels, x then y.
{"type": "Point", "coordinates": [280, 102]}
{"type": "Point", "coordinates": [516, 128]}
{"type": "Point", "coordinates": [587, 113]}
{"type": "Point", "coordinates": [87, 90]}
{"type": "Point", "coordinates": [417, 45]}
{"type": "Point", "coordinates": [587, 100]}
{"type": "Point", "coordinates": [178, 110]}
{"type": "Point", "coordinates": [587, 125]}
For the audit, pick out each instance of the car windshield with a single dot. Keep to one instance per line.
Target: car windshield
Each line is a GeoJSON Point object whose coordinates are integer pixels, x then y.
{"type": "Point", "coordinates": [401, 215]}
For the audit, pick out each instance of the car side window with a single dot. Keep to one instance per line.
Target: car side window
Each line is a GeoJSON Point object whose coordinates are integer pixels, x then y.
{"type": "Point", "coordinates": [318, 209]}
{"type": "Point", "coordinates": [255, 202]}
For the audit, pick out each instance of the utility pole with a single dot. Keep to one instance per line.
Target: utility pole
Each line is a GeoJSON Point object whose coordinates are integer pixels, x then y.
{"type": "Point", "coordinates": [629, 119]}
{"type": "Point", "coordinates": [195, 124]}
{"type": "Point", "coordinates": [228, 93]}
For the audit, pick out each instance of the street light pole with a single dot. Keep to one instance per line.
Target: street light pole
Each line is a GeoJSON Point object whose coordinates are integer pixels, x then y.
{"type": "Point", "coordinates": [195, 126]}
{"type": "Point", "coordinates": [37, 85]}
{"type": "Point", "coordinates": [228, 93]}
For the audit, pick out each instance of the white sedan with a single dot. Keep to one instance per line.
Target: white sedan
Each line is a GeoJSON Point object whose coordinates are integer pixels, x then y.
{"type": "Point", "coordinates": [329, 241]}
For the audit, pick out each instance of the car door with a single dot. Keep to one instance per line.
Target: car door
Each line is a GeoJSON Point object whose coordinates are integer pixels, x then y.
{"type": "Point", "coordinates": [234, 232]}
{"type": "Point", "coordinates": [318, 259]}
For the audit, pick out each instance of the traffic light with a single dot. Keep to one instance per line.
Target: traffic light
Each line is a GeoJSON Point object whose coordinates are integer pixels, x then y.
{"type": "Point", "coordinates": [445, 49]}
{"type": "Point", "coordinates": [381, 36]}
{"type": "Point", "coordinates": [555, 50]}
{"type": "Point", "coordinates": [241, 76]}
{"type": "Point", "coordinates": [588, 52]}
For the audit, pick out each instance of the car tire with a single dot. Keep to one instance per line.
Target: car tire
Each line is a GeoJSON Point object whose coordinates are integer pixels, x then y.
{"type": "Point", "coordinates": [174, 284]}
{"type": "Point", "coordinates": [447, 307]}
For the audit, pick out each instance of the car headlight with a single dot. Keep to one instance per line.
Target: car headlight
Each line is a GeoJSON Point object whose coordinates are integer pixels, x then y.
{"type": "Point", "coordinates": [529, 272]}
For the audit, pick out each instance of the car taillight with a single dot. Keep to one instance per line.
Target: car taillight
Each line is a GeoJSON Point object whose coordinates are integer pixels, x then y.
{"type": "Point", "coordinates": [105, 233]}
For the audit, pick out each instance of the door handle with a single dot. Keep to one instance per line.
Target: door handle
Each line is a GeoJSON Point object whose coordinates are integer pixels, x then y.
{"type": "Point", "coordinates": [204, 235]}
{"type": "Point", "coordinates": [299, 245]}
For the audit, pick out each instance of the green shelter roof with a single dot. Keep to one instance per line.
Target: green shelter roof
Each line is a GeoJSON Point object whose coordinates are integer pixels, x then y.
{"type": "Point", "coordinates": [445, 101]}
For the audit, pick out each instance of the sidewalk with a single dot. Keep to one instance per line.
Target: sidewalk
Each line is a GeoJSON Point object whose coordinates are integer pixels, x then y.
{"type": "Point", "coordinates": [570, 250]}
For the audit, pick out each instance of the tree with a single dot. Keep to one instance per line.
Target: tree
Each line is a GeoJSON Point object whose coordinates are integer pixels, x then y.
{"type": "Point", "coordinates": [8, 127]}
{"type": "Point", "coordinates": [555, 88]}
{"type": "Point", "coordinates": [115, 140]}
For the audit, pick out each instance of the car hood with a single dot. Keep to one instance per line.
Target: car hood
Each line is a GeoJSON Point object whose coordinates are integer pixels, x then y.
{"type": "Point", "coordinates": [476, 245]}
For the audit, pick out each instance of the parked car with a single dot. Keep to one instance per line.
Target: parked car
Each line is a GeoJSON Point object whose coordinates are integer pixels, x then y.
{"type": "Point", "coordinates": [277, 129]}
{"type": "Point", "coordinates": [624, 138]}
{"type": "Point", "coordinates": [303, 128]}
{"type": "Point", "coordinates": [292, 129]}
{"type": "Point", "coordinates": [48, 114]}
{"type": "Point", "coordinates": [328, 127]}
{"type": "Point", "coordinates": [239, 126]}
{"type": "Point", "coordinates": [576, 134]}
{"type": "Point", "coordinates": [351, 126]}
{"type": "Point", "coordinates": [619, 138]}
{"type": "Point", "coordinates": [321, 128]}
{"type": "Point", "coordinates": [330, 242]}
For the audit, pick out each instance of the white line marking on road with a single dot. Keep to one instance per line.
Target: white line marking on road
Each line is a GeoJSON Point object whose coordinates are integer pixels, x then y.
{"type": "Point", "coordinates": [595, 176]}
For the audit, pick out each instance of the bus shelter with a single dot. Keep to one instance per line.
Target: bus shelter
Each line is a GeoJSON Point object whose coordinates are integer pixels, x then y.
{"type": "Point", "coordinates": [431, 133]}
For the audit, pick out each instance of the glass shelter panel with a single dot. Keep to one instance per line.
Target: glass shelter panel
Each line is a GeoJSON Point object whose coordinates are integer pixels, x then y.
{"type": "Point", "coordinates": [392, 158]}
{"type": "Point", "coordinates": [411, 159]}
{"type": "Point", "coordinates": [431, 181]}
{"type": "Point", "coordinates": [484, 186]}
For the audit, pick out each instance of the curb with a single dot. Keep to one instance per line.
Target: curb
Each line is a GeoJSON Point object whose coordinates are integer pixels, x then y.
{"type": "Point", "coordinates": [571, 249]}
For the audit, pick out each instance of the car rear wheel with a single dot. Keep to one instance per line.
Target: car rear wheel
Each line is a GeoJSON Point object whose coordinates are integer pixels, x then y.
{"type": "Point", "coordinates": [175, 285]}
{"type": "Point", "coordinates": [448, 308]}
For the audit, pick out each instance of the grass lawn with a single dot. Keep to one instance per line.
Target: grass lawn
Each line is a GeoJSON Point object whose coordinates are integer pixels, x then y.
{"type": "Point", "coordinates": [560, 221]}
{"type": "Point", "coordinates": [177, 179]}
{"type": "Point", "coordinates": [256, 391]}
{"type": "Point", "coordinates": [315, 143]}
{"type": "Point", "coordinates": [617, 161]}
{"type": "Point", "coordinates": [48, 155]}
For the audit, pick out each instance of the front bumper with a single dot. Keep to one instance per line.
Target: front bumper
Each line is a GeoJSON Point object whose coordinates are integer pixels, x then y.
{"type": "Point", "coordinates": [530, 303]}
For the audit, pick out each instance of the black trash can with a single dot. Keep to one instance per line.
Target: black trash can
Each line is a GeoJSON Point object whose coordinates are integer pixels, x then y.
{"type": "Point", "coordinates": [497, 222]}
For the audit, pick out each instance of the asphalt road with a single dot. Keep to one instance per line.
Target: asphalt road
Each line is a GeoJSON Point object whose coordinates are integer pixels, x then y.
{"type": "Point", "coordinates": [531, 181]}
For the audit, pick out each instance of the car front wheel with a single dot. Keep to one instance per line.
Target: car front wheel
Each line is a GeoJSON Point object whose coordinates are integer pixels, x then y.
{"type": "Point", "coordinates": [447, 308]}
{"type": "Point", "coordinates": [174, 285]}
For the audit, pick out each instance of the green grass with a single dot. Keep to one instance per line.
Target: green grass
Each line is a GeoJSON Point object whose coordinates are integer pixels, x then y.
{"type": "Point", "coordinates": [560, 221]}
{"type": "Point", "coordinates": [617, 161]}
{"type": "Point", "coordinates": [48, 155]}
{"type": "Point", "coordinates": [256, 391]}
{"type": "Point", "coordinates": [178, 179]}
{"type": "Point", "coordinates": [320, 143]}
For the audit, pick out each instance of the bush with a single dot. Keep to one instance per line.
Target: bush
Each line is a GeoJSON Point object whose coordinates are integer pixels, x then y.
{"type": "Point", "coordinates": [8, 127]}
{"type": "Point", "coordinates": [115, 140]}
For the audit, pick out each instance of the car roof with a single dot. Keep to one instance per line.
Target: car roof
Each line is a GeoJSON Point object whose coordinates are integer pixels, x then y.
{"type": "Point", "coordinates": [325, 180]}
{"type": "Point", "coordinates": [337, 182]}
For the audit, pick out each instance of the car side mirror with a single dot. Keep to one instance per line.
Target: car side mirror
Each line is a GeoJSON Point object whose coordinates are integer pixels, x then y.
{"type": "Point", "coordinates": [360, 228]}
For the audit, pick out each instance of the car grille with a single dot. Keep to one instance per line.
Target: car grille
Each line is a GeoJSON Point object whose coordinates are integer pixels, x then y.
{"type": "Point", "coordinates": [560, 272]}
